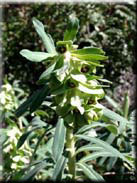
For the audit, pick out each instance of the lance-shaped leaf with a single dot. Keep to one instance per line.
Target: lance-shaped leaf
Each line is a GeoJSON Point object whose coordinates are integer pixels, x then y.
{"type": "Point", "coordinates": [52, 68]}
{"type": "Point", "coordinates": [45, 75]}
{"type": "Point", "coordinates": [108, 150]}
{"type": "Point", "coordinates": [97, 92]}
{"type": "Point", "coordinates": [23, 138]}
{"type": "Point", "coordinates": [31, 173]}
{"type": "Point", "coordinates": [35, 56]}
{"type": "Point", "coordinates": [90, 172]}
{"type": "Point", "coordinates": [89, 50]}
{"type": "Point", "coordinates": [116, 117]}
{"type": "Point", "coordinates": [33, 102]}
{"type": "Point", "coordinates": [59, 168]}
{"type": "Point", "coordinates": [59, 139]}
{"type": "Point", "coordinates": [48, 43]}
{"type": "Point", "coordinates": [72, 29]}
{"type": "Point", "coordinates": [79, 77]}
{"type": "Point", "coordinates": [60, 43]}
{"type": "Point", "coordinates": [92, 57]}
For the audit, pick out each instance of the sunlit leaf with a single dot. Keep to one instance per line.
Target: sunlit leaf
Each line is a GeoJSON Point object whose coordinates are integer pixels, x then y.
{"type": "Point", "coordinates": [48, 43]}
{"type": "Point", "coordinates": [72, 29]}
{"type": "Point", "coordinates": [89, 50]}
{"type": "Point", "coordinates": [35, 56]}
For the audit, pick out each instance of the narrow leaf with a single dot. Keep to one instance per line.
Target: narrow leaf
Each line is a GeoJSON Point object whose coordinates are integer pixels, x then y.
{"type": "Point", "coordinates": [114, 116]}
{"type": "Point", "coordinates": [35, 56]}
{"type": "Point", "coordinates": [113, 104]}
{"type": "Point", "coordinates": [89, 147]}
{"type": "Point", "coordinates": [109, 140]}
{"type": "Point", "coordinates": [96, 155]}
{"type": "Point", "coordinates": [42, 93]}
{"type": "Point", "coordinates": [59, 43]}
{"type": "Point", "coordinates": [126, 105]}
{"type": "Point", "coordinates": [59, 168]}
{"type": "Point", "coordinates": [30, 175]}
{"type": "Point", "coordinates": [107, 148]}
{"type": "Point", "coordinates": [33, 102]}
{"type": "Point", "coordinates": [23, 138]}
{"type": "Point", "coordinates": [84, 89]}
{"type": "Point", "coordinates": [90, 172]}
{"type": "Point", "coordinates": [72, 29]}
{"type": "Point", "coordinates": [89, 50]}
{"type": "Point", "coordinates": [90, 57]}
{"type": "Point", "coordinates": [59, 139]}
{"type": "Point", "coordinates": [45, 74]}
{"type": "Point", "coordinates": [24, 106]}
{"type": "Point", "coordinates": [113, 129]}
{"type": "Point", "coordinates": [48, 43]}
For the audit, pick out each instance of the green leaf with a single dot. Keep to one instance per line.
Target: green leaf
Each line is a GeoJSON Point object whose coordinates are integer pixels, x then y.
{"type": "Point", "coordinates": [111, 163]}
{"type": "Point", "coordinates": [35, 56]}
{"type": "Point", "coordinates": [126, 105]}
{"type": "Point", "coordinates": [59, 168]}
{"type": "Point", "coordinates": [110, 127]}
{"type": "Point", "coordinates": [59, 43]}
{"type": "Point", "coordinates": [72, 29]}
{"type": "Point", "coordinates": [48, 43]}
{"type": "Point", "coordinates": [79, 77]}
{"type": "Point", "coordinates": [90, 172]}
{"type": "Point", "coordinates": [41, 113]}
{"type": "Point", "coordinates": [45, 75]}
{"type": "Point", "coordinates": [114, 116]}
{"type": "Point", "coordinates": [107, 148]}
{"type": "Point", "coordinates": [113, 129]}
{"type": "Point", "coordinates": [98, 92]}
{"type": "Point", "coordinates": [42, 93]}
{"type": "Point", "coordinates": [90, 57]}
{"type": "Point", "coordinates": [95, 155]}
{"type": "Point", "coordinates": [36, 147]}
{"type": "Point", "coordinates": [93, 62]}
{"type": "Point", "coordinates": [59, 139]}
{"type": "Point", "coordinates": [89, 50]}
{"type": "Point", "coordinates": [60, 90]}
{"type": "Point", "coordinates": [110, 139]}
{"type": "Point", "coordinates": [36, 121]}
{"type": "Point", "coordinates": [93, 77]}
{"type": "Point", "coordinates": [25, 105]}
{"type": "Point", "coordinates": [89, 147]}
{"type": "Point", "coordinates": [113, 104]}
{"type": "Point", "coordinates": [23, 138]}
{"type": "Point", "coordinates": [33, 102]}
{"type": "Point", "coordinates": [104, 80]}
{"type": "Point", "coordinates": [30, 175]}
{"type": "Point", "coordinates": [75, 101]}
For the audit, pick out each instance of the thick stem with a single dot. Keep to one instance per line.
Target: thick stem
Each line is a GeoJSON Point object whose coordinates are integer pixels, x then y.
{"type": "Point", "coordinates": [70, 144]}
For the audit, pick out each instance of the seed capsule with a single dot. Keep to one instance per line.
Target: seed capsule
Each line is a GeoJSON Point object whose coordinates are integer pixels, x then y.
{"type": "Point", "coordinates": [61, 49]}
{"type": "Point", "coordinates": [72, 85]}
{"type": "Point", "coordinates": [85, 69]}
{"type": "Point", "coordinates": [91, 101]}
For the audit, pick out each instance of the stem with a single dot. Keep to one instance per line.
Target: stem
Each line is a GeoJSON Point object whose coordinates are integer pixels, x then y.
{"type": "Point", "coordinates": [70, 144]}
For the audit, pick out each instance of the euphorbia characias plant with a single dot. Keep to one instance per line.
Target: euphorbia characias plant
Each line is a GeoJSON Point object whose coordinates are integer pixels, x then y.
{"type": "Point", "coordinates": [74, 87]}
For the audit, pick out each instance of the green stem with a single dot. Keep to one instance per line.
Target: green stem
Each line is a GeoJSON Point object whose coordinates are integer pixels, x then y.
{"type": "Point", "coordinates": [70, 144]}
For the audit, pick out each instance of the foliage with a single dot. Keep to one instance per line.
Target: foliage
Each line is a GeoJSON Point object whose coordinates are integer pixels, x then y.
{"type": "Point", "coordinates": [108, 26]}
{"type": "Point", "coordinates": [12, 130]}
{"type": "Point", "coordinates": [74, 89]}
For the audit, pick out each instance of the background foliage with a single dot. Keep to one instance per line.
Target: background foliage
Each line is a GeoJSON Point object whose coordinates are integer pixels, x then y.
{"type": "Point", "coordinates": [108, 26]}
